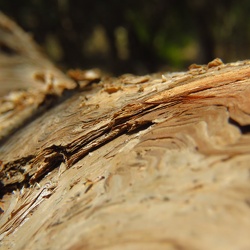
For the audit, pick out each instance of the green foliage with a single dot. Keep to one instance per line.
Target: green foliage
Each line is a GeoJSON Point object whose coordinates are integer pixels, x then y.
{"type": "Point", "coordinates": [156, 33]}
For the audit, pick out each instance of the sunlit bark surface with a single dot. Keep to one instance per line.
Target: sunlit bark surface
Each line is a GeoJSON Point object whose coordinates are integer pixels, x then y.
{"type": "Point", "coordinates": [135, 162]}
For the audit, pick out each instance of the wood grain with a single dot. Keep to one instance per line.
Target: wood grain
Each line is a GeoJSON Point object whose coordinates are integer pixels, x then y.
{"type": "Point", "coordinates": [29, 82]}
{"type": "Point", "coordinates": [147, 162]}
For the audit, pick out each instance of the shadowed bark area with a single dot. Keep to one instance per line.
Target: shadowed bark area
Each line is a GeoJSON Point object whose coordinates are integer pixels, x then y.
{"type": "Point", "coordinates": [134, 162]}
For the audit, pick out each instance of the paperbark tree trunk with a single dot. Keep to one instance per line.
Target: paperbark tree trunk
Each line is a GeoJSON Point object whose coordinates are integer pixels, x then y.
{"type": "Point", "coordinates": [135, 162]}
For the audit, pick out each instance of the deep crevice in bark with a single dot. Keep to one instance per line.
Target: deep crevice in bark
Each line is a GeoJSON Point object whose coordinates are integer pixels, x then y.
{"type": "Point", "coordinates": [244, 129]}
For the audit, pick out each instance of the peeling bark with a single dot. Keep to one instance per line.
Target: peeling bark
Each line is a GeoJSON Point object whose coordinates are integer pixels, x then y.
{"type": "Point", "coordinates": [149, 162]}
{"type": "Point", "coordinates": [29, 81]}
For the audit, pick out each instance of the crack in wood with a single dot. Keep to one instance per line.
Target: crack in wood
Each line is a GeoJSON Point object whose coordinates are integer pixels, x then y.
{"type": "Point", "coordinates": [31, 169]}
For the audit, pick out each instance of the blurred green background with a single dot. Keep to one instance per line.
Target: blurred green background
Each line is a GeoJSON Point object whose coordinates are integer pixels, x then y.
{"type": "Point", "coordinates": [135, 36]}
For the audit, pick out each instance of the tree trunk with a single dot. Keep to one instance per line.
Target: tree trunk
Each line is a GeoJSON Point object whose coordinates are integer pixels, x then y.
{"type": "Point", "coordinates": [134, 162]}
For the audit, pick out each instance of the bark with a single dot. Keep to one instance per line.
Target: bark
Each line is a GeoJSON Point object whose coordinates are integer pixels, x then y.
{"type": "Point", "coordinates": [28, 79]}
{"type": "Point", "coordinates": [134, 162]}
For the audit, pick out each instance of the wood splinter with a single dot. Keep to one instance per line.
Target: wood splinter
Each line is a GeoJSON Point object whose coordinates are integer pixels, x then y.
{"type": "Point", "coordinates": [90, 183]}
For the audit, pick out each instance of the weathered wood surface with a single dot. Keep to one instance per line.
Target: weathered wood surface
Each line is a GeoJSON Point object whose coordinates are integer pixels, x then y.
{"type": "Point", "coordinates": [152, 162]}
{"type": "Point", "coordinates": [27, 78]}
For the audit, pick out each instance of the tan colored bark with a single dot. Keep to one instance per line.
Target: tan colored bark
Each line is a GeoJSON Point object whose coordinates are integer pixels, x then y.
{"type": "Point", "coordinates": [150, 162]}
{"type": "Point", "coordinates": [27, 78]}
